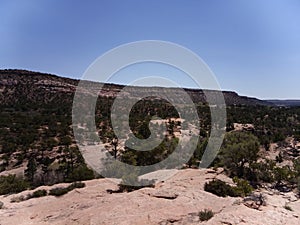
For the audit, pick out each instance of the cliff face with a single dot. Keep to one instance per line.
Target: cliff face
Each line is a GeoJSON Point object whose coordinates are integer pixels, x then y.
{"type": "Point", "coordinates": [20, 86]}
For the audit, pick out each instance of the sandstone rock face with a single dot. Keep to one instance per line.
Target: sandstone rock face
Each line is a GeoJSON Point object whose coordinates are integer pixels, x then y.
{"type": "Point", "coordinates": [175, 201]}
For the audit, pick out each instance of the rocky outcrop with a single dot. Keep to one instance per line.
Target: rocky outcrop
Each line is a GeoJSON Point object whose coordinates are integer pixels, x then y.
{"type": "Point", "coordinates": [175, 201]}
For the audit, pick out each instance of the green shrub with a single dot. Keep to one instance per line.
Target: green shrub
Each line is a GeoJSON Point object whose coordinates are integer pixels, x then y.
{"type": "Point", "coordinates": [59, 191]}
{"type": "Point", "coordinates": [243, 188]}
{"type": "Point", "coordinates": [205, 214]}
{"type": "Point", "coordinates": [19, 198]}
{"type": "Point", "coordinates": [11, 184]}
{"type": "Point", "coordinates": [282, 174]}
{"type": "Point", "coordinates": [219, 188]}
{"type": "Point", "coordinates": [263, 171]}
{"type": "Point", "coordinates": [37, 194]}
{"type": "Point", "coordinates": [81, 173]}
{"type": "Point", "coordinates": [76, 185]}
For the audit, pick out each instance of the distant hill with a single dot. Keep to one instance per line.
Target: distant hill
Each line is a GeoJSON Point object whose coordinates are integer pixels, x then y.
{"type": "Point", "coordinates": [286, 103]}
{"type": "Point", "coordinates": [21, 86]}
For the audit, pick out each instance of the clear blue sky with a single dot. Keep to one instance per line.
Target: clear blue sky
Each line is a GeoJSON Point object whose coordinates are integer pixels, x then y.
{"type": "Point", "coordinates": [253, 47]}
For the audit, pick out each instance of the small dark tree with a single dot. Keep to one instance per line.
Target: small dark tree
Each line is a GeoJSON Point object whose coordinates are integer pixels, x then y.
{"type": "Point", "coordinates": [267, 144]}
{"type": "Point", "coordinates": [31, 169]}
{"type": "Point", "coordinates": [115, 144]}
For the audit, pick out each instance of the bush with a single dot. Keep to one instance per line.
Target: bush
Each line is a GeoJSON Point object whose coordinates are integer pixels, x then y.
{"type": "Point", "coordinates": [282, 174]}
{"type": "Point", "coordinates": [76, 185]}
{"type": "Point", "coordinates": [81, 173]}
{"type": "Point", "coordinates": [205, 215]}
{"type": "Point", "coordinates": [263, 171]}
{"type": "Point", "coordinates": [219, 188]}
{"type": "Point", "coordinates": [11, 184]}
{"type": "Point", "coordinates": [37, 194]}
{"type": "Point", "coordinates": [243, 188]}
{"type": "Point", "coordinates": [19, 198]}
{"type": "Point", "coordinates": [59, 191]}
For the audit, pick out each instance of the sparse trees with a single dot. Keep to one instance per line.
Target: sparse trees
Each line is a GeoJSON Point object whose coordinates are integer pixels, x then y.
{"type": "Point", "coordinates": [12, 184]}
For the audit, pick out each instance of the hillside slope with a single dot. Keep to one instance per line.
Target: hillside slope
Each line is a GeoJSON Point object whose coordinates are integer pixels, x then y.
{"type": "Point", "coordinates": [20, 86]}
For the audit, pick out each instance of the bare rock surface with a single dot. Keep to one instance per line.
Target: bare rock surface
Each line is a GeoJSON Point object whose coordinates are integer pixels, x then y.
{"type": "Point", "coordinates": [175, 201]}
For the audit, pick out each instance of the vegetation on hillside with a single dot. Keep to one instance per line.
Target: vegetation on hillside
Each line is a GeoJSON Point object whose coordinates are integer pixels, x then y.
{"type": "Point", "coordinates": [36, 133]}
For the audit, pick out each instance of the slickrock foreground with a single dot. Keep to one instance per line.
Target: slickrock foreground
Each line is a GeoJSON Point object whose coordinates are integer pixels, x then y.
{"type": "Point", "coordinates": [176, 201]}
